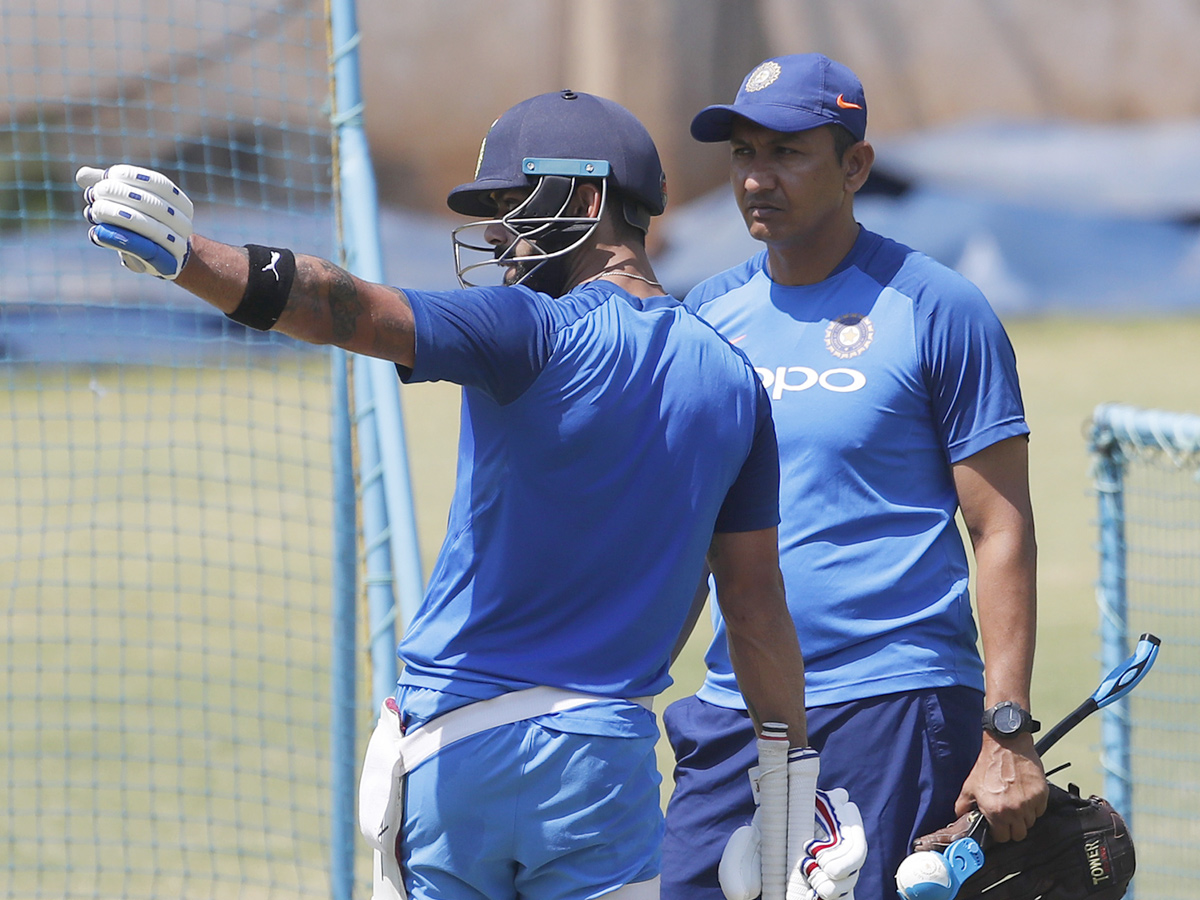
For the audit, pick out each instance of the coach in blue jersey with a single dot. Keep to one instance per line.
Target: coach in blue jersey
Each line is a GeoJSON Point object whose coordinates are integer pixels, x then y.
{"type": "Point", "coordinates": [610, 441]}
{"type": "Point", "coordinates": [896, 402]}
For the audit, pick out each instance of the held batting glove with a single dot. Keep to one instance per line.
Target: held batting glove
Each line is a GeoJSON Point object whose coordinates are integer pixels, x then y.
{"type": "Point", "coordinates": [836, 855]}
{"type": "Point", "coordinates": [141, 214]}
{"type": "Point", "coordinates": [828, 864]}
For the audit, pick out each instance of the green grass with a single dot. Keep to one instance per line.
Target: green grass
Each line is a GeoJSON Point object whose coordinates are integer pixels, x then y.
{"type": "Point", "coordinates": [164, 647]}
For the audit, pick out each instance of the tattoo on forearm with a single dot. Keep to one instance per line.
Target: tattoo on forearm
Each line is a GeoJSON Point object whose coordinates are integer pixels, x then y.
{"type": "Point", "coordinates": [344, 303]}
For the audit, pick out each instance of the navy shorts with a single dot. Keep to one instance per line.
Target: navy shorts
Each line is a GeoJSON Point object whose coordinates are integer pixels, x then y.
{"type": "Point", "coordinates": [902, 757]}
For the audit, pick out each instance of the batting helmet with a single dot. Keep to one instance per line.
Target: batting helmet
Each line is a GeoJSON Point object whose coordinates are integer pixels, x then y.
{"type": "Point", "coordinates": [549, 143]}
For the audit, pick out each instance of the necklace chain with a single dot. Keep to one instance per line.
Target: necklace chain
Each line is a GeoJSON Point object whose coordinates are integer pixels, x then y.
{"type": "Point", "coordinates": [634, 275]}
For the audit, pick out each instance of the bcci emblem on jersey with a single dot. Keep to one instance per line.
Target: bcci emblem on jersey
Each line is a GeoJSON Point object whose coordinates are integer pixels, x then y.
{"type": "Point", "coordinates": [849, 335]}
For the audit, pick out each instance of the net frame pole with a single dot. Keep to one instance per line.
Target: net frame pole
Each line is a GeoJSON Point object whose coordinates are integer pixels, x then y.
{"type": "Point", "coordinates": [376, 381]}
{"type": "Point", "coordinates": [1112, 600]}
{"type": "Point", "coordinates": [343, 718]}
{"type": "Point", "coordinates": [389, 522]}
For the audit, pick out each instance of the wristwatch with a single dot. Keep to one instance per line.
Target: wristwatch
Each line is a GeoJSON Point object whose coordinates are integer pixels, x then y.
{"type": "Point", "coordinates": [1007, 718]}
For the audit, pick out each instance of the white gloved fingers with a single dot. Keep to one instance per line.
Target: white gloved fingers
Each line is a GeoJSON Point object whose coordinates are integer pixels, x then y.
{"type": "Point", "coordinates": [141, 214]}
{"type": "Point", "coordinates": [740, 871]}
{"type": "Point", "coordinates": [134, 198]}
{"type": "Point", "coordinates": [138, 254]}
{"type": "Point", "coordinates": [842, 853]}
{"type": "Point", "coordinates": [826, 888]}
{"type": "Point", "coordinates": [87, 176]}
{"type": "Point", "coordinates": [120, 215]}
{"type": "Point", "coordinates": [142, 179]}
{"type": "Point", "coordinates": [159, 244]}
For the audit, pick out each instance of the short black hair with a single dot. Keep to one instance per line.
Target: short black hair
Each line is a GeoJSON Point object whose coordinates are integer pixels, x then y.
{"type": "Point", "coordinates": [843, 140]}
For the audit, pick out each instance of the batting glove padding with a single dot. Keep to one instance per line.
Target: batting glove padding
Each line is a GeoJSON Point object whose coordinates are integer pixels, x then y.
{"type": "Point", "coordinates": [141, 214]}
{"type": "Point", "coordinates": [824, 867]}
{"type": "Point", "coordinates": [836, 855]}
{"type": "Point", "coordinates": [740, 870]}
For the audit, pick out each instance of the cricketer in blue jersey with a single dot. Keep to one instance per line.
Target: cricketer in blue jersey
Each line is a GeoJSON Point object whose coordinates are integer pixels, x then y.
{"type": "Point", "coordinates": [896, 403]}
{"type": "Point", "coordinates": [611, 443]}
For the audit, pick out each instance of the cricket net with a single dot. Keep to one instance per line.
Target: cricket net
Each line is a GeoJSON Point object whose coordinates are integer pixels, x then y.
{"type": "Point", "coordinates": [1148, 485]}
{"type": "Point", "coordinates": [166, 521]}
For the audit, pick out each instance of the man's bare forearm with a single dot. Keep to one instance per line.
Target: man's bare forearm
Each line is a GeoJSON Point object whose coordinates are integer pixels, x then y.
{"type": "Point", "coordinates": [326, 304]}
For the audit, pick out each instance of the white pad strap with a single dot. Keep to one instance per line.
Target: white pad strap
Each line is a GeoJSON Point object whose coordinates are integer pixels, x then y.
{"type": "Point", "coordinates": [387, 883]}
{"type": "Point", "coordinates": [391, 755]}
{"type": "Point", "coordinates": [516, 706]}
{"type": "Point", "coordinates": [639, 890]}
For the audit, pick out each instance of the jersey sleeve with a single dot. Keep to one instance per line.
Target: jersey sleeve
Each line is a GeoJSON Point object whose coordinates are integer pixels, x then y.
{"type": "Point", "coordinates": [752, 502]}
{"type": "Point", "coordinates": [971, 372]}
{"type": "Point", "coordinates": [495, 339]}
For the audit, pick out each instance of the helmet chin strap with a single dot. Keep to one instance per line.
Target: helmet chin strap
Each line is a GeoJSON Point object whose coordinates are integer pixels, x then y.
{"type": "Point", "coordinates": [548, 276]}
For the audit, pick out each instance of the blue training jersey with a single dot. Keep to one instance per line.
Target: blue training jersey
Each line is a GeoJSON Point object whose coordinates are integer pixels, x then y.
{"type": "Point", "coordinates": [603, 439]}
{"type": "Point", "coordinates": [880, 377]}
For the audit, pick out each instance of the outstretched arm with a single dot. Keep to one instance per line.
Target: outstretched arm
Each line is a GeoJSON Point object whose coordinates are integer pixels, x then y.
{"type": "Point", "coordinates": [326, 305]}
{"type": "Point", "coordinates": [1007, 783]}
{"type": "Point", "coordinates": [147, 219]}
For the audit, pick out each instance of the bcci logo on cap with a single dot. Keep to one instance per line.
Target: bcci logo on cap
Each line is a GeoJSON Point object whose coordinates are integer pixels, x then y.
{"type": "Point", "coordinates": [849, 335]}
{"type": "Point", "coordinates": [763, 76]}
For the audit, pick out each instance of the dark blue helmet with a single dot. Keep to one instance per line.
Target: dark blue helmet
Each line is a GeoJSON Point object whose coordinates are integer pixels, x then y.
{"type": "Point", "coordinates": [548, 144]}
{"type": "Point", "coordinates": [567, 126]}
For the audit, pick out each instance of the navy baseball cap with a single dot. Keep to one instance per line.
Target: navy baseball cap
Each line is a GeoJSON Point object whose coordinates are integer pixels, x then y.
{"type": "Point", "coordinates": [790, 93]}
{"type": "Point", "coordinates": [565, 125]}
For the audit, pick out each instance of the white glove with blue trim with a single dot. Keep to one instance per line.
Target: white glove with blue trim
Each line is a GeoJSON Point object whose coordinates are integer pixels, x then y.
{"type": "Point", "coordinates": [141, 214]}
{"type": "Point", "coordinates": [836, 855]}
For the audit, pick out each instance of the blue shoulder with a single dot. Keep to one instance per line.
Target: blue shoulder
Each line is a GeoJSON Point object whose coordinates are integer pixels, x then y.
{"type": "Point", "coordinates": [724, 282]}
{"type": "Point", "coordinates": [913, 273]}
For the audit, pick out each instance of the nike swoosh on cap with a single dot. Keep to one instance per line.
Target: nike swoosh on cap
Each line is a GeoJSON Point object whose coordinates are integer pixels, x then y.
{"type": "Point", "coordinates": [846, 104]}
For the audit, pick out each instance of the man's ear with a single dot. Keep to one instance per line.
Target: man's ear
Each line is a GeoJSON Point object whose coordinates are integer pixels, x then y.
{"type": "Point", "coordinates": [587, 201]}
{"type": "Point", "coordinates": [857, 165]}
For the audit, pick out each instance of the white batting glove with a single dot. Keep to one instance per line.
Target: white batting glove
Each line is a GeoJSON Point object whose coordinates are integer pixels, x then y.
{"type": "Point", "coordinates": [827, 846]}
{"type": "Point", "coordinates": [836, 855]}
{"type": "Point", "coordinates": [740, 869]}
{"type": "Point", "coordinates": [141, 214]}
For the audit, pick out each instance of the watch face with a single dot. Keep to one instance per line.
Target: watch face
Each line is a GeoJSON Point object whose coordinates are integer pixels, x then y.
{"type": "Point", "coordinates": [1007, 720]}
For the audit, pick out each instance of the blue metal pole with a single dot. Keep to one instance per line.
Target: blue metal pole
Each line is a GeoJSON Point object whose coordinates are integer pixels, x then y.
{"type": "Point", "coordinates": [377, 539]}
{"type": "Point", "coordinates": [360, 218]}
{"type": "Point", "coordinates": [386, 490]}
{"type": "Point", "coordinates": [1112, 599]}
{"type": "Point", "coordinates": [343, 722]}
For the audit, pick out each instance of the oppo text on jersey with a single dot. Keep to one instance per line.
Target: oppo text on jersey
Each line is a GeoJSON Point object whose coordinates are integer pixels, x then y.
{"type": "Point", "coordinates": [801, 378]}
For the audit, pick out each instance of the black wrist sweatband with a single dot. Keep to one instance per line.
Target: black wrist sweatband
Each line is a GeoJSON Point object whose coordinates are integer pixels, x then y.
{"type": "Point", "coordinates": [272, 270]}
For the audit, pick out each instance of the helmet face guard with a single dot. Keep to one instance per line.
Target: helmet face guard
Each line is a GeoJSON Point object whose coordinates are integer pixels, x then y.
{"type": "Point", "coordinates": [539, 233]}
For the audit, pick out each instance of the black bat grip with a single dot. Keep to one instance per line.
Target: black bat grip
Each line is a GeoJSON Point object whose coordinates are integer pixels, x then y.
{"type": "Point", "coordinates": [1052, 737]}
